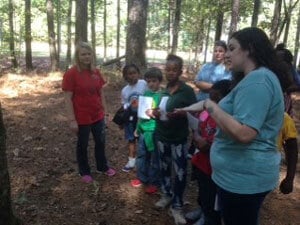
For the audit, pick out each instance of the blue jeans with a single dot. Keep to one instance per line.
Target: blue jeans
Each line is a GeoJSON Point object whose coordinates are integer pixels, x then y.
{"type": "Point", "coordinates": [237, 209]}
{"type": "Point", "coordinates": [147, 164]}
{"type": "Point", "coordinates": [98, 131]}
{"type": "Point", "coordinates": [173, 156]}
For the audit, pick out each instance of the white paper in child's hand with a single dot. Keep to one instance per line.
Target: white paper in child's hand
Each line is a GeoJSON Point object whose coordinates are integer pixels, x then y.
{"type": "Point", "coordinates": [163, 108]}
{"type": "Point", "coordinates": [193, 122]}
{"type": "Point", "coordinates": [145, 103]}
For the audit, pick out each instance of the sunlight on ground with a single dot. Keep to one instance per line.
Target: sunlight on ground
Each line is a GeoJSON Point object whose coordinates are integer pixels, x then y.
{"type": "Point", "coordinates": [13, 85]}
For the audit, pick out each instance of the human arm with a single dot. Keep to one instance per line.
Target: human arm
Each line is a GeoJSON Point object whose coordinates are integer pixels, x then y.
{"type": "Point", "coordinates": [291, 157]}
{"type": "Point", "coordinates": [203, 86]}
{"type": "Point", "coordinates": [202, 144]}
{"type": "Point", "coordinates": [104, 105]}
{"type": "Point", "coordinates": [70, 111]}
{"type": "Point", "coordinates": [238, 131]}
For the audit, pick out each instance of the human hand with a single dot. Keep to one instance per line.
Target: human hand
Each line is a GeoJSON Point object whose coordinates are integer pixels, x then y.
{"type": "Point", "coordinates": [73, 126]}
{"type": "Point", "coordinates": [135, 133]}
{"type": "Point", "coordinates": [153, 113]}
{"type": "Point", "coordinates": [286, 186]}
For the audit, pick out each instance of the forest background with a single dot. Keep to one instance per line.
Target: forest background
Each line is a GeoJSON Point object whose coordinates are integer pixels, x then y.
{"type": "Point", "coordinates": [37, 39]}
{"type": "Point", "coordinates": [138, 30]}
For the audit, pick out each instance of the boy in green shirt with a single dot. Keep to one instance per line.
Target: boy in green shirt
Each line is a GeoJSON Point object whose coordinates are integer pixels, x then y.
{"type": "Point", "coordinates": [147, 161]}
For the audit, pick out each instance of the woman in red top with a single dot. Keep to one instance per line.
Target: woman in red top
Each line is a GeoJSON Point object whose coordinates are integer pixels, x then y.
{"type": "Point", "coordinates": [85, 103]}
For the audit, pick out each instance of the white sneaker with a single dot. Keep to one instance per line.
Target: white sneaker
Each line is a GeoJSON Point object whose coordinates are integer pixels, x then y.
{"type": "Point", "coordinates": [194, 215]}
{"type": "Point", "coordinates": [129, 165]}
{"type": "Point", "coordinates": [178, 216]}
{"type": "Point", "coordinates": [163, 202]}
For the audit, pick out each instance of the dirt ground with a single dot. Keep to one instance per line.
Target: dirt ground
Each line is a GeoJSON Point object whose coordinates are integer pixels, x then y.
{"type": "Point", "coordinates": [46, 188]}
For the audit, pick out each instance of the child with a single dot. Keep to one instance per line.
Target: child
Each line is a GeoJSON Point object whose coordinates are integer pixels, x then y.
{"type": "Point", "coordinates": [172, 133]}
{"type": "Point", "coordinates": [201, 160]}
{"type": "Point", "coordinates": [129, 97]}
{"type": "Point", "coordinates": [147, 161]}
{"type": "Point", "coordinates": [287, 142]}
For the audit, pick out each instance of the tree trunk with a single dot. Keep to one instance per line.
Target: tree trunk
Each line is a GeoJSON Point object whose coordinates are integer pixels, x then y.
{"type": "Point", "coordinates": [93, 32]}
{"type": "Point", "coordinates": [58, 29]}
{"type": "Point", "coordinates": [51, 36]}
{"type": "Point", "coordinates": [176, 26]}
{"type": "Point", "coordinates": [136, 33]}
{"type": "Point", "coordinates": [170, 23]}
{"type": "Point", "coordinates": [6, 212]}
{"type": "Point", "coordinates": [118, 33]}
{"type": "Point", "coordinates": [234, 16]}
{"type": "Point", "coordinates": [81, 21]}
{"type": "Point", "coordinates": [104, 32]}
{"type": "Point", "coordinates": [219, 21]}
{"type": "Point", "coordinates": [69, 35]}
{"type": "Point", "coordinates": [12, 34]}
{"type": "Point", "coordinates": [28, 36]}
{"type": "Point", "coordinates": [275, 22]}
{"type": "Point", "coordinates": [297, 41]}
{"type": "Point", "coordinates": [207, 40]}
{"type": "Point", "coordinates": [256, 9]}
{"type": "Point", "coordinates": [118, 29]}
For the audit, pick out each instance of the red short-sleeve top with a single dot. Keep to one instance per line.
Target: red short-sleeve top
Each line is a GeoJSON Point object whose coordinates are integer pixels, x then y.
{"type": "Point", "coordinates": [86, 88]}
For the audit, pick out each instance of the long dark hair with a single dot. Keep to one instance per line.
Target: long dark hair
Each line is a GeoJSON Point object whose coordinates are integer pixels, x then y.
{"type": "Point", "coordinates": [262, 52]}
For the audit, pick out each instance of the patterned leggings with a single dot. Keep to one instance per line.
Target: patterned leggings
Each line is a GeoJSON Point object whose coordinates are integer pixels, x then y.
{"type": "Point", "coordinates": [173, 156]}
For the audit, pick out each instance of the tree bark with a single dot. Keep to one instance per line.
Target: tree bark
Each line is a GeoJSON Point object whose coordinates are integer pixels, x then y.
{"type": "Point", "coordinates": [93, 32]}
{"type": "Point", "coordinates": [104, 32]}
{"type": "Point", "coordinates": [6, 212]}
{"type": "Point", "coordinates": [12, 34]}
{"type": "Point", "coordinates": [81, 21]}
{"type": "Point", "coordinates": [51, 36]}
{"type": "Point", "coordinates": [297, 41]}
{"type": "Point", "coordinates": [118, 29]}
{"type": "Point", "coordinates": [28, 37]}
{"type": "Point", "coordinates": [176, 26]}
{"type": "Point", "coordinates": [58, 28]}
{"type": "Point", "coordinates": [275, 22]}
{"type": "Point", "coordinates": [234, 16]}
{"type": "Point", "coordinates": [136, 33]}
{"type": "Point", "coordinates": [219, 20]}
{"type": "Point", "coordinates": [256, 9]}
{"type": "Point", "coordinates": [69, 35]}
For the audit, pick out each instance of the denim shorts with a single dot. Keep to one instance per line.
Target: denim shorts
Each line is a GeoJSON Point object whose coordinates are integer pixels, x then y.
{"type": "Point", "coordinates": [129, 129]}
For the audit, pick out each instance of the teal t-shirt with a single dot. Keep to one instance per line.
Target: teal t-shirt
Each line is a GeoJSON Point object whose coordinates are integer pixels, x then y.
{"type": "Point", "coordinates": [257, 102]}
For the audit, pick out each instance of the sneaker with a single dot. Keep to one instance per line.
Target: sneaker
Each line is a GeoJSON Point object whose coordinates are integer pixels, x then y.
{"type": "Point", "coordinates": [178, 216]}
{"type": "Point", "coordinates": [87, 179]}
{"type": "Point", "coordinates": [194, 215]}
{"type": "Point", "coordinates": [200, 221]}
{"type": "Point", "coordinates": [110, 172]}
{"type": "Point", "coordinates": [128, 167]}
{"type": "Point", "coordinates": [136, 183]}
{"type": "Point", "coordinates": [163, 202]}
{"type": "Point", "coordinates": [151, 189]}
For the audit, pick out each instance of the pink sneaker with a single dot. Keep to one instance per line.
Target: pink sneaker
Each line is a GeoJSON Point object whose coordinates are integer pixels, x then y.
{"type": "Point", "coordinates": [87, 179]}
{"type": "Point", "coordinates": [110, 172]}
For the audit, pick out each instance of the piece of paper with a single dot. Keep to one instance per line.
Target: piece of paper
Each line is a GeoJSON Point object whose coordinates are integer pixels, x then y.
{"type": "Point", "coordinates": [145, 103]}
{"type": "Point", "coordinates": [163, 108]}
{"type": "Point", "coordinates": [193, 122]}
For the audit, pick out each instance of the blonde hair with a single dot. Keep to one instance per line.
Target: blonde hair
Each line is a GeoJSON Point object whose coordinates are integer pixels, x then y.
{"type": "Point", "coordinates": [88, 47]}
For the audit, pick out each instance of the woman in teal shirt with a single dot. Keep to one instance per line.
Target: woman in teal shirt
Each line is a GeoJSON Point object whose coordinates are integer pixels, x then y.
{"type": "Point", "coordinates": [244, 156]}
